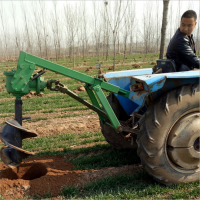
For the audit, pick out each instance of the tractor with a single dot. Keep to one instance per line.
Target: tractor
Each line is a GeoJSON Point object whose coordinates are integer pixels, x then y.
{"type": "Point", "coordinates": [155, 113]}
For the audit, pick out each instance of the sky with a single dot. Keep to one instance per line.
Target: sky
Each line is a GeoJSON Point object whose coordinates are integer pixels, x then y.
{"type": "Point", "coordinates": [140, 5]}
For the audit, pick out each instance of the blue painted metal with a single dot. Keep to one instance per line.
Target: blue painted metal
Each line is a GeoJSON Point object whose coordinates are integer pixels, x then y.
{"type": "Point", "coordinates": [122, 79]}
{"type": "Point", "coordinates": [127, 73]}
{"type": "Point", "coordinates": [154, 84]}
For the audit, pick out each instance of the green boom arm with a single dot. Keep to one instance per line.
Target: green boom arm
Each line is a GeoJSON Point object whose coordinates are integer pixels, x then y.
{"type": "Point", "coordinates": [19, 83]}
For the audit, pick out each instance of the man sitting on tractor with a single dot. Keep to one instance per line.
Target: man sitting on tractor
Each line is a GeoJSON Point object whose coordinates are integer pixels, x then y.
{"type": "Point", "coordinates": [181, 48]}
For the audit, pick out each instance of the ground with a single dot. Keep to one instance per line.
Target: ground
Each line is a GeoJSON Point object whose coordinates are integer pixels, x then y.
{"type": "Point", "coordinates": [73, 159]}
{"type": "Point", "coordinates": [55, 171]}
{"type": "Point", "coordinates": [39, 175]}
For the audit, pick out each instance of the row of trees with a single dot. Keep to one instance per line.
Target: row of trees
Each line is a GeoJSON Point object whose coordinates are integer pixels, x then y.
{"type": "Point", "coordinates": [81, 29]}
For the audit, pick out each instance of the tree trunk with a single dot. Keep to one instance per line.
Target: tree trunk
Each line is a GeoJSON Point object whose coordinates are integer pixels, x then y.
{"type": "Point", "coordinates": [164, 28]}
{"type": "Point", "coordinates": [114, 54]}
{"type": "Point", "coordinates": [73, 56]}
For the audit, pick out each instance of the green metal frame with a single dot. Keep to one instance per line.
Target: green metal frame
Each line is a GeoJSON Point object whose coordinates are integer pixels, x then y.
{"type": "Point", "coordinates": [19, 83]}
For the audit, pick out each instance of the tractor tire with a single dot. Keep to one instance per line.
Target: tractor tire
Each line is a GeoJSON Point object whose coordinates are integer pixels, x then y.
{"type": "Point", "coordinates": [116, 140]}
{"type": "Point", "coordinates": [168, 141]}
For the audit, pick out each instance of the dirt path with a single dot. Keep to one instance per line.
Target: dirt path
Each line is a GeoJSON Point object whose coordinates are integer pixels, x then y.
{"type": "Point", "coordinates": [40, 175]}
{"type": "Point", "coordinates": [78, 124]}
{"type": "Point", "coordinates": [58, 124]}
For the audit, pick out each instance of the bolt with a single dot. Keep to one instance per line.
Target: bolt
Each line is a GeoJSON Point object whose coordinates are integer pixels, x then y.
{"type": "Point", "coordinates": [14, 76]}
{"type": "Point", "coordinates": [22, 89]}
{"type": "Point", "coordinates": [119, 128]}
{"type": "Point", "coordinates": [12, 83]}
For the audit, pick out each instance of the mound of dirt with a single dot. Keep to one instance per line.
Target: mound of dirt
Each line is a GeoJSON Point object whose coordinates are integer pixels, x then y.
{"type": "Point", "coordinates": [33, 94]}
{"type": "Point", "coordinates": [39, 175]}
{"type": "Point", "coordinates": [111, 68]}
{"type": "Point", "coordinates": [88, 70]}
{"type": "Point", "coordinates": [79, 89]}
{"type": "Point", "coordinates": [136, 66]}
{"type": "Point", "coordinates": [153, 63]}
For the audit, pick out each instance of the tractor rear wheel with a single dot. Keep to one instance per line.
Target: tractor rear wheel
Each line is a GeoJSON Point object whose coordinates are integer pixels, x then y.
{"type": "Point", "coordinates": [117, 140]}
{"type": "Point", "coordinates": [168, 142]}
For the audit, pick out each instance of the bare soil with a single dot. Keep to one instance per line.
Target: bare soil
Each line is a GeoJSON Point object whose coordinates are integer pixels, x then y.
{"type": "Point", "coordinates": [42, 175]}
{"type": "Point", "coordinates": [48, 174]}
{"type": "Point", "coordinates": [78, 124]}
{"type": "Point", "coordinates": [57, 123]}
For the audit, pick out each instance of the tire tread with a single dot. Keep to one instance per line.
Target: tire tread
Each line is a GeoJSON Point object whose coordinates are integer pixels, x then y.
{"type": "Point", "coordinates": [152, 147]}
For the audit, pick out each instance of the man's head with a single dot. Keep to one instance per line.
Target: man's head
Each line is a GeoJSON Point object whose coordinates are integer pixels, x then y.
{"type": "Point", "coordinates": [188, 22]}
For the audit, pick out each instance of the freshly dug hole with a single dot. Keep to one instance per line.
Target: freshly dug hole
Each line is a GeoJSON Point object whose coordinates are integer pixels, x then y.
{"type": "Point", "coordinates": [29, 171]}
{"type": "Point", "coordinates": [32, 171]}
{"type": "Point", "coordinates": [39, 175]}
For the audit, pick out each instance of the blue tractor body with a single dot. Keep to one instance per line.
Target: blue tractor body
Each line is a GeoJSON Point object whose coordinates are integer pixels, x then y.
{"type": "Point", "coordinates": [154, 84]}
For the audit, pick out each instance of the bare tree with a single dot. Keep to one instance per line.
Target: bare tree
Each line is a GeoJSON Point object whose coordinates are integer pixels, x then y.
{"type": "Point", "coordinates": [27, 34]}
{"type": "Point", "coordinates": [131, 14]}
{"type": "Point", "coordinates": [115, 20]}
{"type": "Point", "coordinates": [5, 35]}
{"type": "Point", "coordinates": [158, 25]}
{"type": "Point", "coordinates": [126, 32]}
{"type": "Point", "coordinates": [164, 27]}
{"type": "Point", "coordinates": [149, 29]}
{"type": "Point", "coordinates": [106, 28]}
{"type": "Point", "coordinates": [71, 21]}
{"type": "Point", "coordinates": [16, 33]}
{"type": "Point", "coordinates": [44, 26]}
{"type": "Point", "coordinates": [37, 25]}
{"type": "Point", "coordinates": [56, 30]}
{"type": "Point", "coordinates": [84, 28]}
{"type": "Point", "coordinates": [97, 29]}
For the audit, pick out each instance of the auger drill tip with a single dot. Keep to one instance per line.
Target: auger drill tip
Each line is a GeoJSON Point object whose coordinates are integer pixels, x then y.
{"type": "Point", "coordinates": [12, 135]}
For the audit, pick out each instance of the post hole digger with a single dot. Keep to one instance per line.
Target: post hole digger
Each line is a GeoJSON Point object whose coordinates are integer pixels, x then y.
{"type": "Point", "coordinates": [157, 114]}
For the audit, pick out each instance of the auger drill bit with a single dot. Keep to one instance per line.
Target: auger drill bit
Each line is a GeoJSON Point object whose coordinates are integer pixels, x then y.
{"type": "Point", "coordinates": [12, 134]}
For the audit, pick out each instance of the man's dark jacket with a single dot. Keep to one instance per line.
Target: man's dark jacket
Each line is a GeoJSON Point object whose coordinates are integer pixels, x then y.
{"type": "Point", "coordinates": [180, 50]}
